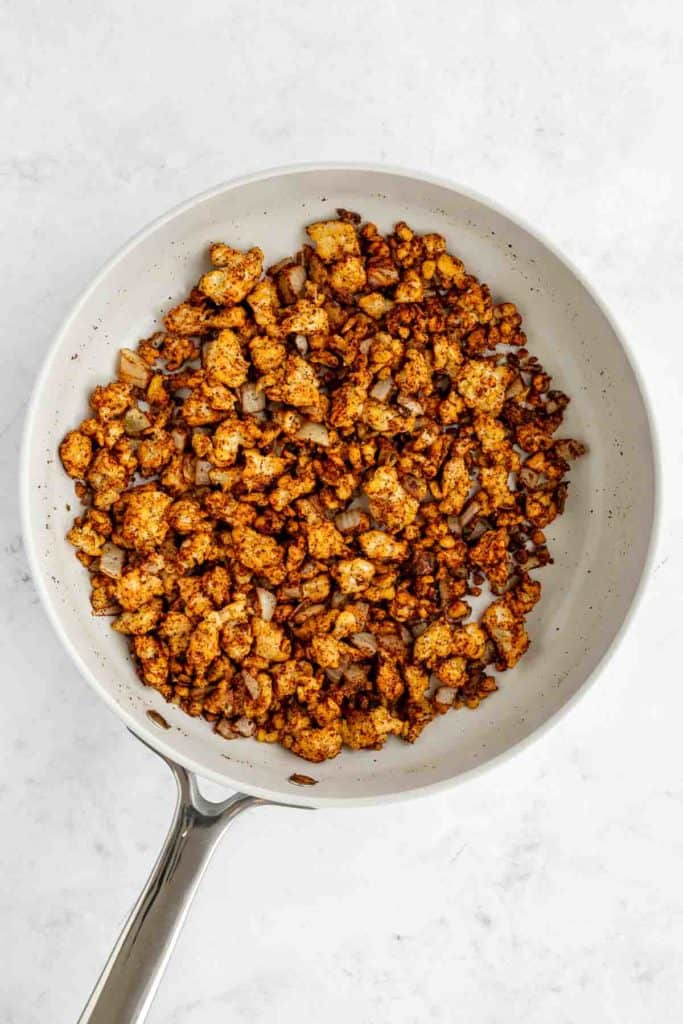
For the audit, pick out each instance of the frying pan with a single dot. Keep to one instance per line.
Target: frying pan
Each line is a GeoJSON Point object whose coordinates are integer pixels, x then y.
{"type": "Point", "coordinates": [601, 545]}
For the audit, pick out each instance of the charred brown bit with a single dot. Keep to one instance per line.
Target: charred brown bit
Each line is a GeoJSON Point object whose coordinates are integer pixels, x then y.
{"type": "Point", "coordinates": [158, 719]}
{"type": "Point", "coordinates": [290, 493]}
{"type": "Point", "coordinates": [302, 780]}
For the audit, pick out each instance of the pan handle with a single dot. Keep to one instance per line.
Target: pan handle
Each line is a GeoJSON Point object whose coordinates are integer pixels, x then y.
{"type": "Point", "coordinates": [126, 987]}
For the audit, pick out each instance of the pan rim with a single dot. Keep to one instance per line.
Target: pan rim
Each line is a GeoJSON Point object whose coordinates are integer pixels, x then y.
{"type": "Point", "coordinates": [150, 735]}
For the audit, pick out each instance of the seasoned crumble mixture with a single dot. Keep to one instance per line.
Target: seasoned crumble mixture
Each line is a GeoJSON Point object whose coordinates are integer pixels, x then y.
{"type": "Point", "coordinates": [291, 492]}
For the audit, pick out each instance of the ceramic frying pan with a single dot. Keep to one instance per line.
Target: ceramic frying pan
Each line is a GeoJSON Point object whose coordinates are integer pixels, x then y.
{"type": "Point", "coordinates": [600, 545]}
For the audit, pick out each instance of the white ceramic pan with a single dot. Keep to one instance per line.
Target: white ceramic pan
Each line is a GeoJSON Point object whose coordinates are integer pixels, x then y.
{"type": "Point", "coordinates": [601, 545]}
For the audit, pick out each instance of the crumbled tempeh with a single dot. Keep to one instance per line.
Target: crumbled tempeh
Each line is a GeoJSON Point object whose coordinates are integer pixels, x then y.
{"type": "Point", "coordinates": [333, 239]}
{"type": "Point", "coordinates": [482, 384]}
{"type": "Point", "coordinates": [136, 587]}
{"type": "Point", "coordinates": [347, 275]}
{"type": "Point", "coordinates": [304, 317]}
{"type": "Point", "coordinates": [507, 632]}
{"type": "Point", "coordinates": [434, 644]}
{"type": "Point", "coordinates": [142, 620]}
{"type": "Point", "coordinates": [353, 574]}
{"type": "Point", "coordinates": [76, 452]}
{"type": "Point", "coordinates": [144, 525]}
{"type": "Point", "coordinates": [490, 554]}
{"type": "Point", "coordinates": [380, 546]}
{"type": "Point", "coordinates": [258, 552]}
{"type": "Point", "coordinates": [270, 641]}
{"type": "Point", "coordinates": [330, 465]}
{"type": "Point", "coordinates": [223, 360]}
{"type": "Point", "coordinates": [362, 729]}
{"type": "Point", "coordinates": [390, 503]}
{"type": "Point", "coordinates": [236, 275]}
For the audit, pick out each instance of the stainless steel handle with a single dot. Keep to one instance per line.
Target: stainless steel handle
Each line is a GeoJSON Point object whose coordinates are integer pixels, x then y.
{"type": "Point", "coordinates": [126, 987]}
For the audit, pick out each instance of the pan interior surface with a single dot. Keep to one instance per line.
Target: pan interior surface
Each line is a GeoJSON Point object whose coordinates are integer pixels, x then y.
{"type": "Point", "coordinates": [600, 545]}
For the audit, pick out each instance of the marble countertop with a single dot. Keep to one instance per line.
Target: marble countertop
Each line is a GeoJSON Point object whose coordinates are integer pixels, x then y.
{"type": "Point", "coordinates": [547, 890]}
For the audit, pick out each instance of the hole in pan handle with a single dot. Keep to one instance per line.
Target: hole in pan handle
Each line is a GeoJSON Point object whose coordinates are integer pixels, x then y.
{"type": "Point", "coordinates": [126, 987]}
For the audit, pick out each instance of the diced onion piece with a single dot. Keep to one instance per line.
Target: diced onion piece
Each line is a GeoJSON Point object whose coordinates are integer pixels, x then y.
{"type": "Point", "coordinates": [286, 261]}
{"type": "Point", "coordinates": [252, 685]}
{"type": "Point", "coordinates": [245, 727]}
{"type": "Point", "coordinates": [347, 520]}
{"type": "Point", "coordinates": [444, 695]}
{"type": "Point", "coordinates": [334, 674]}
{"type": "Point", "coordinates": [478, 530]}
{"type": "Point", "coordinates": [530, 478]}
{"type": "Point", "coordinates": [362, 609]}
{"type": "Point", "coordinates": [515, 388]}
{"type": "Point", "coordinates": [381, 389]}
{"type": "Point", "coordinates": [200, 692]}
{"type": "Point", "coordinates": [111, 560]}
{"type": "Point", "coordinates": [469, 513]}
{"type": "Point", "coordinates": [301, 342]}
{"type": "Point", "coordinates": [133, 369]}
{"type": "Point", "coordinates": [225, 729]}
{"type": "Point", "coordinates": [354, 674]}
{"type": "Point", "coordinates": [305, 611]}
{"type": "Point", "coordinates": [454, 525]}
{"type": "Point", "coordinates": [418, 629]}
{"type": "Point", "coordinates": [364, 642]}
{"type": "Point", "coordinates": [201, 473]}
{"type": "Point", "coordinates": [296, 278]}
{"type": "Point", "coordinates": [252, 399]}
{"type": "Point", "coordinates": [362, 502]}
{"type": "Point", "coordinates": [179, 438]}
{"type": "Point", "coordinates": [405, 635]}
{"type": "Point", "coordinates": [135, 421]}
{"type": "Point", "coordinates": [267, 601]}
{"type": "Point", "coordinates": [314, 432]}
{"type": "Point", "coordinates": [364, 346]}
{"type": "Point", "coordinates": [411, 404]}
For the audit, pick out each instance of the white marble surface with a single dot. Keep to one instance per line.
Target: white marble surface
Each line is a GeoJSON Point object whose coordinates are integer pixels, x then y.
{"type": "Point", "coordinates": [548, 890]}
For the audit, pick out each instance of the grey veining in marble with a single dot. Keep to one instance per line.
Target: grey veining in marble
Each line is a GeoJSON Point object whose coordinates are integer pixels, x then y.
{"type": "Point", "coordinates": [548, 890]}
